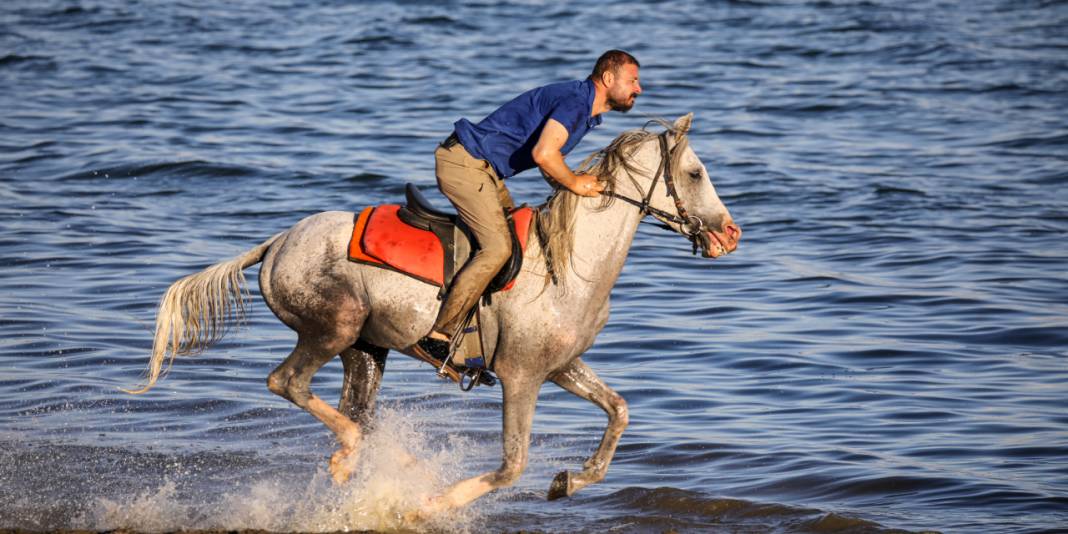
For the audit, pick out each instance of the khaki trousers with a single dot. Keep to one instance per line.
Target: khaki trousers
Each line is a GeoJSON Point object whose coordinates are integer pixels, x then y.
{"type": "Point", "coordinates": [479, 197]}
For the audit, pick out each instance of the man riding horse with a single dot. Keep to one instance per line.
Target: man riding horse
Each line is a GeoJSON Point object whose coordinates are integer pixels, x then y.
{"type": "Point", "coordinates": [535, 333]}
{"type": "Point", "coordinates": [535, 129]}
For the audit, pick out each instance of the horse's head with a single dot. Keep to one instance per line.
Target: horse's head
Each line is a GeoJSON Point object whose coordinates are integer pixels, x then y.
{"type": "Point", "coordinates": [678, 191]}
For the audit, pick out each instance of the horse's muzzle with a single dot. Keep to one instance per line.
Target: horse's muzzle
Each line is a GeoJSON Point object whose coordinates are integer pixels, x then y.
{"type": "Point", "coordinates": [716, 244]}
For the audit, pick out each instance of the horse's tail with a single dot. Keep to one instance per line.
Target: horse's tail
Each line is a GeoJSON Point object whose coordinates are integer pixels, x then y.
{"type": "Point", "coordinates": [194, 312]}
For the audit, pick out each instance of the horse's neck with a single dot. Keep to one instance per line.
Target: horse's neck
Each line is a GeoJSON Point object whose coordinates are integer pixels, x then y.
{"type": "Point", "coordinates": [602, 240]}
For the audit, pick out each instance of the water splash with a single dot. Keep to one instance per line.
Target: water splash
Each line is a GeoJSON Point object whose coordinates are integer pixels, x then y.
{"type": "Point", "coordinates": [397, 471]}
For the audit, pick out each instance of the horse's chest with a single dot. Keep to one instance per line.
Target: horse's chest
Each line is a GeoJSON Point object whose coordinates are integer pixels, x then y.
{"type": "Point", "coordinates": [577, 333]}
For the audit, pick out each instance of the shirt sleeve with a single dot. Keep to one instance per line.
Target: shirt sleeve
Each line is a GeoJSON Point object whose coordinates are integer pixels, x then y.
{"type": "Point", "coordinates": [569, 113]}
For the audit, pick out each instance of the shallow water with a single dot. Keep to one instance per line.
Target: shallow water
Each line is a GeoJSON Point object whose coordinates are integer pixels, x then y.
{"type": "Point", "coordinates": [886, 349]}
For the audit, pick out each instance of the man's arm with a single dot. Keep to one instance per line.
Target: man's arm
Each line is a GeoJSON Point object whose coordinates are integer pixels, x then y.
{"type": "Point", "coordinates": [550, 160]}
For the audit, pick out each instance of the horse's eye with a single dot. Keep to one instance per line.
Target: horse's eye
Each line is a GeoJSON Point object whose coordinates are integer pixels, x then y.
{"type": "Point", "coordinates": [695, 174]}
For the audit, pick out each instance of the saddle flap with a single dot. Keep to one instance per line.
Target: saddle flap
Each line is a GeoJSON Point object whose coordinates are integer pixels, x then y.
{"type": "Point", "coordinates": [519, 224]}
{"type": "Point", "coordinates": [433, 250]}
{"type": "Point", "coordinates": [402, 247]}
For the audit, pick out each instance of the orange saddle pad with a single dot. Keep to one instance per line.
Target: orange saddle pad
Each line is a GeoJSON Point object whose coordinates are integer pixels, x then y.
{"type": "Point", "coordinates": [381, 238]}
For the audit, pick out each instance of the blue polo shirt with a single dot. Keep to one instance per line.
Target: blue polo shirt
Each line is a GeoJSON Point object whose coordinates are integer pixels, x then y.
{"type": "Point", "coordinates": [506, 137]}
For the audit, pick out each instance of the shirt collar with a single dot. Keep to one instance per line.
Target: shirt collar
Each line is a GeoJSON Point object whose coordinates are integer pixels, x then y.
{"type": "Point", "coordinates": [590, 93]}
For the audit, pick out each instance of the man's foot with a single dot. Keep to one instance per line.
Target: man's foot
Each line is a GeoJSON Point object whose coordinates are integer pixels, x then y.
{"type": "Point", "coordinates": [435, 351]}
{"type": "Point", "coordinates": [434, 347]}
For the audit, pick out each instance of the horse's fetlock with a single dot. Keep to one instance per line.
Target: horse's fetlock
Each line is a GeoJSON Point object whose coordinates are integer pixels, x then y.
{"type": "Point", "coordinates": [592, 474]}
{"type": "Point", "coordinates": [507, 476]}
{"type": "Point", "coordinates": [350, 436]}
{"type": "Point", "coordinates": [592, 464]}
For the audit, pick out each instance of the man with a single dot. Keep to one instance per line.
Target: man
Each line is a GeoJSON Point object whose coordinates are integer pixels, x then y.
{"type": "Point", "coordinates": [536, 129]}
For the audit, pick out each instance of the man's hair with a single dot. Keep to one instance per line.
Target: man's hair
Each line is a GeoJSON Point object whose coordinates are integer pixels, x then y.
{"type": "Point", "coordinates": [612, 60]}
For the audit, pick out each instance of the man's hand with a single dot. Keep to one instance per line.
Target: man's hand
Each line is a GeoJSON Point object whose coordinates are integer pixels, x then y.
{"type": "Point", "coordinates": [586, 185]}
{"type": "Point", "coordinates": [547, 156]}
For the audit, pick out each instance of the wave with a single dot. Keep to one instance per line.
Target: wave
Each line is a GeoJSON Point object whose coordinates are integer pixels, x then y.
{"type": "Point", "coordinates": [673, 508]}
{"type": "Point", "coordinates": [192, 168]}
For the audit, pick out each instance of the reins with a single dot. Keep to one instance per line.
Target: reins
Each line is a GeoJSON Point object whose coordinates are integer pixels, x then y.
{"type": "Point", "coordinates": [685, 221]}
{"type": "Point", "coordinates": [689, 226]}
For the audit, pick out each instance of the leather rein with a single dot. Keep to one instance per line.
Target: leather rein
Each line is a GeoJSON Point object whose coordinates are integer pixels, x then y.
{"type": "Point", "coordinates": [689, 225]}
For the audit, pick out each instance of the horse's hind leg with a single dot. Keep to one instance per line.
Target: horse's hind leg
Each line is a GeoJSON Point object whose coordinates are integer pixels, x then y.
{"type": "Point", "coordinates": [579, 379]}
{"type": "Point", "coordinates": [364, 364]}
{"type": "Point", "coordinates": [292, 379]}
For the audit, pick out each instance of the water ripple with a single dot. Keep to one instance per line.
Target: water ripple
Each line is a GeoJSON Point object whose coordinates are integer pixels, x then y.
{"type": "Point", "coordinates": [885, 350]}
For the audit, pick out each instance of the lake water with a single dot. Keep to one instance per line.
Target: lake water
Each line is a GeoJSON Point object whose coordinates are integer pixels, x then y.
{"type": "Point", "coordinates": [886, 350]}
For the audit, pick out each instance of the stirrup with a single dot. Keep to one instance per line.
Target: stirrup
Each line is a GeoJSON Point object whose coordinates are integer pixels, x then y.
{"type": "Point", "coordinates": [444, 369]}
{"type": "Point", "coordinates": [474, 371]}
{"type": "Point", "coordinates": [479, 375]}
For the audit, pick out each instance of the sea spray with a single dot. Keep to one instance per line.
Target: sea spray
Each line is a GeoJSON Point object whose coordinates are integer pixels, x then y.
{"type": "Point", "coordinates": [399, 467]}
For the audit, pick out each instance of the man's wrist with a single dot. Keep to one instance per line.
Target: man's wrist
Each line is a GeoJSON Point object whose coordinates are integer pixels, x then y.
{"type": "Point", "coordinates": [566, 178]}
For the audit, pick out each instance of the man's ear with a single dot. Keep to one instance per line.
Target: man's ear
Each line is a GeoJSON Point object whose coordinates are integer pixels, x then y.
{"type": "Point", "coordinates": [608, 78]}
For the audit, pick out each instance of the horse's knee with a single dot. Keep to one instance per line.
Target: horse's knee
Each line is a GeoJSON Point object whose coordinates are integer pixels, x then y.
{"type": "Point", "coordinates": [618, 412]}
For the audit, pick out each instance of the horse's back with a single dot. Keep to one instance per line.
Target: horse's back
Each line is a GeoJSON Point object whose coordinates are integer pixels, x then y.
{"type": "Point", "coordinates": [316, 240]}
{"type": "Point", "coordinates": [307, 277]}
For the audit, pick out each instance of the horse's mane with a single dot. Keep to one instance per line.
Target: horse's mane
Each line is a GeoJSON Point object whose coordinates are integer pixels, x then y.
{"type": "Point", "coordinates": [556, 218]}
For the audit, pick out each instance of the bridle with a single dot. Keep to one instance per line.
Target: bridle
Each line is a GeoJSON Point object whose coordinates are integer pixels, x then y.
{"type": "Point", "coordinates": [689, 225]}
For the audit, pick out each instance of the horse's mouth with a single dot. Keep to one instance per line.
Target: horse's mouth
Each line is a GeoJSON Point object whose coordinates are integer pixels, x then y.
{"type": "Point", "coordinates": [716, 244]}
{"type": "Point", "coordinates": [711, 246]}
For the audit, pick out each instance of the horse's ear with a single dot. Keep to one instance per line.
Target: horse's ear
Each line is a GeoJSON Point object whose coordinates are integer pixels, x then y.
{"type": "Point", "coordinates": [682, 125]}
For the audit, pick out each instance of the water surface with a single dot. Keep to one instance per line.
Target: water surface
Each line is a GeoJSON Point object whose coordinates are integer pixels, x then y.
{"type": "Point", "coordinates": [886, 350]}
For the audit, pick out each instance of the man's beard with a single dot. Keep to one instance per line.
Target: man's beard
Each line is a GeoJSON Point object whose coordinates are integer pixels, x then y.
{"type": "Point", "coordinates": [624, 105]}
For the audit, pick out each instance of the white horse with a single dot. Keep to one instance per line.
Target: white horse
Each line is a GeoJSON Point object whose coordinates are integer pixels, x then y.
{"type": "Point", "coordinates": [537, 331]}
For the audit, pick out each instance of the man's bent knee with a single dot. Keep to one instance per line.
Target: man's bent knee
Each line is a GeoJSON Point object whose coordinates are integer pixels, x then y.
{"type": "Point", "coordinates": [497, 249]}
{"type": "Point", "coordinates": [498, 256]}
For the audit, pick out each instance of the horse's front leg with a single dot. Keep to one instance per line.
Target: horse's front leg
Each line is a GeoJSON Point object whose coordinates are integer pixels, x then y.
{"type": "Point", "coordinates": [579, 379]}
{"type": "Point", "coordinates": [519, 401]}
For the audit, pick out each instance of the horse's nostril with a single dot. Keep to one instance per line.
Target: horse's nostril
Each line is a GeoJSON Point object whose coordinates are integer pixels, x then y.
{"type": "Point", "coordinates": [733, 231]}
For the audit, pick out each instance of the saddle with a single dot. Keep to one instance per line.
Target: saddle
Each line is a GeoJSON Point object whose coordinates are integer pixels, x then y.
{"type": "Point", "coordinates": [430, 245]}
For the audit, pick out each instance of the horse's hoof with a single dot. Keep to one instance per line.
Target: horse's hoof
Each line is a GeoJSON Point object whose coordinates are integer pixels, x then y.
{"type": "Point", "coordinates": [406, 460]}
{"type": "Point", "coordinates": [340, 475]}
{"type": "Point", "coordinates": [413, 518]}
{"type": "Point", "coordinates": [341, 466]}
{"type": "Point", "coordinates": [561, 486]}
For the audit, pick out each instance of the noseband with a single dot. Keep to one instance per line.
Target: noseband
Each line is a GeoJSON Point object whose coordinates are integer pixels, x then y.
{"type": "Point", "coordinates": [689, 225]}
